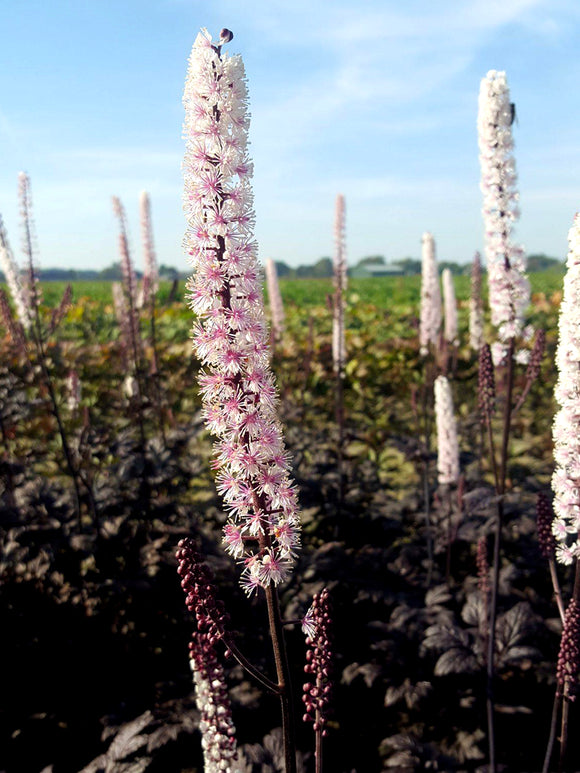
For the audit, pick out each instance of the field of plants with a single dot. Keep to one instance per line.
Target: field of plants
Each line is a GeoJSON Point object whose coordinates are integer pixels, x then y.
{"type": "Point", "coordinates": [94, 627]}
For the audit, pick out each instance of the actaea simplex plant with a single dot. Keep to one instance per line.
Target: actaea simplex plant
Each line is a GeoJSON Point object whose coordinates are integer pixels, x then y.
{"type": "Point", "coordinates": [230, 338]}
{"type": "Point", "coordinates": [509, 296]}
{"type": "Point", "coordinates": [30, 335]}
{"type": "Point", "coordinates": [558, 530]}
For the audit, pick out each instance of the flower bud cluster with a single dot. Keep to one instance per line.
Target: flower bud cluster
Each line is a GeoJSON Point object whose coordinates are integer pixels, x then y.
{"type": "Point", "coordinates": [544, 518]}
{"type": "Point", "coordinates": [509, 290]}
{"type": "Point", "coordinates": [316, 694]}
{"type": "Point", "coordinates": [447, 445]}
{"type": "Point", "coordinates": [482, 566]}
{"type": "Point", "coordinates": [216, 725]}
{"type": "Point", "coordinates": [230, 335]}
{"type": "Point", "coordinates": [200, 591]}
{"type": "Point", "coordinates": [486, 385]}
{"type": "Point", "coordinates": [568, 669]}
{"type": "Point", "coordinates": [566, 478]}
{"type": "Point", "coordinates": [430, 322]}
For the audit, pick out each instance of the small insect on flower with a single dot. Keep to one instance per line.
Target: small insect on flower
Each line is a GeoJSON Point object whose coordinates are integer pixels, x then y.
{"type": "Point", "coordinates": [513, 114]}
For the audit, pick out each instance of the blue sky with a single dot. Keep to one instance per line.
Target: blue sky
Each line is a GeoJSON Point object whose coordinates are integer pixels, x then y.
{"type": "Point", "coordinates": [376, 100]}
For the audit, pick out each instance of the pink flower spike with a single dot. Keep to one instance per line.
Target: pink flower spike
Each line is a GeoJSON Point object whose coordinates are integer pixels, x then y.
{"type": "Point", "coordinates": [230, 335]}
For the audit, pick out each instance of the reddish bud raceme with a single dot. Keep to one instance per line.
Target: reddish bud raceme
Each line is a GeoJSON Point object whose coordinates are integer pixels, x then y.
{"type": "Point", "coordinates": [569, 656]}
{"type": "Point", "coordinates": [545, 517]}
{"type": "Point", "coordinates": [216, 725]}
{"type": "Point", "coordinates": [317, 693]}
{"type": "Point", "coordinates": [486, 385]}
{"type": "Point", "coordinates": [482, 566]}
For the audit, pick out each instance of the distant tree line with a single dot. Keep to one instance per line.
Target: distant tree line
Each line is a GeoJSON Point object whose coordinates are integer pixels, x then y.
{"type": "Point", "coordinates": [322, 269]}
{"type": "Point", "coordinates": [112, 273]}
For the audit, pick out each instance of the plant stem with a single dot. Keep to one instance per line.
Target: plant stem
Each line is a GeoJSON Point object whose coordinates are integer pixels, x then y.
{"type": "Point", "coordinates": [157, 375]}
{"type": "Point", "coordinates": [552, 738]}
{"type": "Point", "coordinates": [427, 390]}
{"type": "Point", "coordinates": [252, 670]}
{"type": "Point", "coordinates": [566, 692]}
{"type": "Point", "coordinates": [500, 478]}
{"type": "Point", "coordinates": [557, 590]}
{"type": "Point", "coordinates": [449, 534]}
{"type": "Point", "coordinates": [318, 744]}
{"type": "Point", "coordinates": [283, 674]}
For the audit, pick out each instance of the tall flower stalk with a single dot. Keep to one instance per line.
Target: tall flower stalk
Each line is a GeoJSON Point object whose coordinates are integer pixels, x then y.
{"type": "Point", "coordinates": [430, 322]}
{"type": "Point", "coordinates": [450, 306]}
{"type": "Point", "coordinates": [340, 282]}
{"type": "Point", "coordinates": [150, 268]}
{"type": "Point", "coordinates": [230, 338]}
{"type": "Point", "coordinates": [476, 339]}
{"type": "Point", "coordinates": [338, 334]}
{"type": "Point", "coordinates": [38, 336]}
{"type": "Point", "coordinates": [447, 445]}
{"type": "Point", "coordinates": [275, 298]}
{"type": "Point", "coordinates": [447, 452]}
{"type": "Point", "coordinates": [566, 434]}
{"type": "Point", "coordinates": [150, 287]}
{"type": "Point", "coordinates": [566, 477]}
{"type": "Point", "coordinates": [429, 335]}
{"type": "Point", "coordinates": [11, 272]}
{"type": "Point", "coordinates": [132, 346]}
{"type": "Point", "coordinates": [509, 290]}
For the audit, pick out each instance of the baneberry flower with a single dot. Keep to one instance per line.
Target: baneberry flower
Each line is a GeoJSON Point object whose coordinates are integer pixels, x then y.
{"type": "Point", "coordinates": [565, 431]}
{"type": "Point", "coordinates": [230, 334]}
{"type": "Point", "coordinates": [476, 339]}
{"type": "Point", "coordinates": [32, 289]}
{"type": "Point", "coordinates": [447, 445]}
{"type": "Point", "coordinates": [450, 306]}
{"type": "Point", "coordinates": [150, 269]}
{"type": "Point", "coordinates": [276, 305]}
{"type": "Point", "coordinates": [509, 290]}
{"type": "Point", "coordinates": [12, 274]}
{"type": "Point", "coordinates": [430, 322]}
{"type": "Point", "coordinates": [340, 281]}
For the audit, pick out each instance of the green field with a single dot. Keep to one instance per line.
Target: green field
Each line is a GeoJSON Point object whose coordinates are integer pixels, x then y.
{"type": "Point", "coordinates": [382, 292]}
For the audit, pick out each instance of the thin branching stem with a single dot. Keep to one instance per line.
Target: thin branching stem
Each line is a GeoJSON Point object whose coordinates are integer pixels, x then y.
{"type": "Point", "coordinates": [500, 477]}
